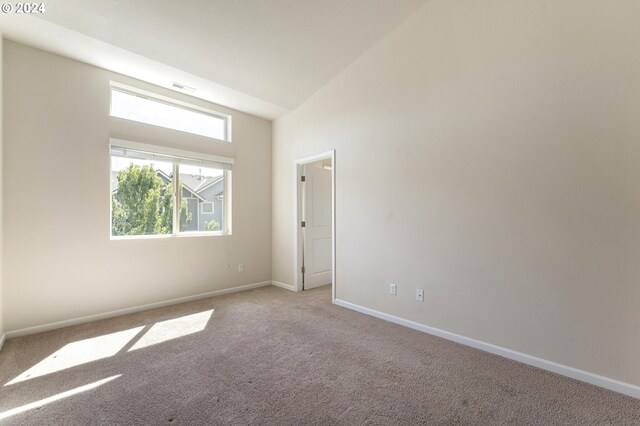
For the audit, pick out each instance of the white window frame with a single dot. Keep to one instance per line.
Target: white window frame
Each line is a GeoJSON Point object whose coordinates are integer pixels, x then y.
{"type": "Point", "coordinates": [172, 102]}
{"type": "Point", "coordinates": [202, 207]}
{"type": "Point", "coordinates": [177, 194]}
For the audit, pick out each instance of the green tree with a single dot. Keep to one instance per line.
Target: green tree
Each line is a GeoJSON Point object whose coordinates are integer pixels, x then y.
{"type": "Point", "coordinates": [143, 203]}
{"type": "Point", "coordinates": [212, 225]}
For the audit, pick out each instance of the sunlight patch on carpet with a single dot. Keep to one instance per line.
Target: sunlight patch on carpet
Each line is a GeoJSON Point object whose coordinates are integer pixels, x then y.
{"type": "Point", "coordinates": [172, 329]}
{"type": "Point", "coordinates": [54, 398]}
{"type": "Point", "coordinates": [80, 352]}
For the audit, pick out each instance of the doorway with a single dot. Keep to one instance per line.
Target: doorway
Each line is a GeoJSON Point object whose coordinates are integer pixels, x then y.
{"type": "Point", "coordinates": [315, 222]}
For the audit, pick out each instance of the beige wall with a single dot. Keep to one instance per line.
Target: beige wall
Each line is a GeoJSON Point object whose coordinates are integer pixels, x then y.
{"type": "Point", "coordinates": [489, 153]}
{"type": "Point", "coordinates": [59, 262]}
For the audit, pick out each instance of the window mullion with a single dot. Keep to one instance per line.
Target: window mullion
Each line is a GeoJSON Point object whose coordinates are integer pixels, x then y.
{"type": "Point", "coordinates": [226, 207]}
{"type": "Point", "coordinates": [177, 198]}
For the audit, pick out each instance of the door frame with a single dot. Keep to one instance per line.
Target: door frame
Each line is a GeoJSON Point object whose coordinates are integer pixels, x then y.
{"type": "Point", "coordinates": [298, 166]}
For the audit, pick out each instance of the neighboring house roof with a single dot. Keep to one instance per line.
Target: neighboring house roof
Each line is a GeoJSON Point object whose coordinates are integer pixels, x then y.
{"type": "Point", "coordinates": [213, 181]}
{"type": "Point", "coordinates": [193, 184]}
{"type": "Point", "coordinates": [198, 183]}
{"type": "Point", "coordinates": [186, 186]}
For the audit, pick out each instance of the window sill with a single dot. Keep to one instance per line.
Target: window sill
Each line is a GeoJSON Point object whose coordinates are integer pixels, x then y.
{"type": "Point", "coordinates": [169, 236]}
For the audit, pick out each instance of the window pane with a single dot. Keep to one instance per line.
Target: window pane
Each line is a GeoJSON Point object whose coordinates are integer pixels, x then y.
{"type": "Point", "coordinates": [141, 197]}
{"type": "Point", "coordinates": [202, 199]}
{"type": "Point", "coordinates": [157, 113]}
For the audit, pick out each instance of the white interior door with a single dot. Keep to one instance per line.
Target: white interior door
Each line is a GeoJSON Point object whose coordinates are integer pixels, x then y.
{"type": "Point", "coordinates": [316, 214]}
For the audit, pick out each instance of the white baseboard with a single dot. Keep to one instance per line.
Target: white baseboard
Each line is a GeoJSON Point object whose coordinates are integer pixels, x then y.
{"type": "Point", "coordinates": [574, 373]}
{"type": "Point", "coordinates": [131, 310]}
{"type": "Point", "coordinates": [283, 285]}
{"type": "Point", "coordinates": [3, 337]}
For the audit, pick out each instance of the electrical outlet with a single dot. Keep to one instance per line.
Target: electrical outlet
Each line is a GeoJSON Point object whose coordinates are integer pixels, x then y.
{"type": "Point", "coordinates": [420, 295]}
{"type": "Point", "coordinates": [393, 289]}
{"type": "Point", "coordinates": [241, 268]}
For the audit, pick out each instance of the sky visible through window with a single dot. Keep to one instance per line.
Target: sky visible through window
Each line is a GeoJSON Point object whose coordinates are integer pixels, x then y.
{"type": "Point", "coordinates": [149, 111]}
{"type": "Point", "coordinates": [121, 163]}
{"type": "Point", "coordinates": [199, 171]}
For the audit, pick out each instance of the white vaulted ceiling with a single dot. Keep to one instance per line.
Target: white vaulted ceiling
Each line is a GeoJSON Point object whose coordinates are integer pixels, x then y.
{"type": "Point", "coordinates": [277, 51]}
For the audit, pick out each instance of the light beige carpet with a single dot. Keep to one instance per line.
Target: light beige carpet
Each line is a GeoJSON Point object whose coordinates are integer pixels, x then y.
{"type": "Point", "coordinates": [269, 356]}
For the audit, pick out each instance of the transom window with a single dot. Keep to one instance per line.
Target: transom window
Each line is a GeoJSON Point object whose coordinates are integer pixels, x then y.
{"type": "Point", "coordinates": [149, 108]}
{"type": "Point", "coordinates": [160, 191]}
